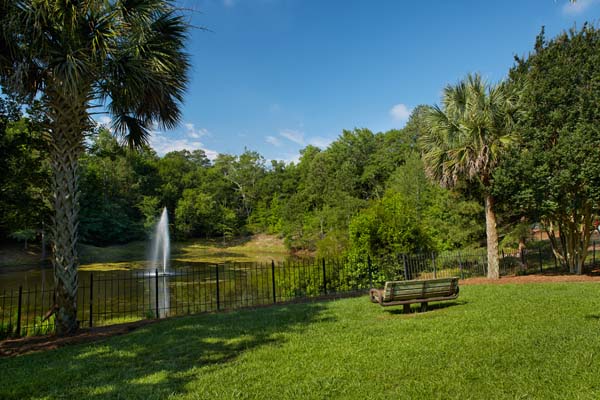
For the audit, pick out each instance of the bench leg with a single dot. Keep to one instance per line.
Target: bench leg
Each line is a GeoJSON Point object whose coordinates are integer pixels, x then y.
{"type": "Point", "coordinates": [406, 309]}
{"type": "Point", "coordinates": [423, 307]}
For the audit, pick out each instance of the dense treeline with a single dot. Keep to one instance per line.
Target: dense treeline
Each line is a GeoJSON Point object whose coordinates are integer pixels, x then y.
{"type": "Point", "coordinates": [365, 191]}
{"type": "Point", "coordinates": [534, 142]}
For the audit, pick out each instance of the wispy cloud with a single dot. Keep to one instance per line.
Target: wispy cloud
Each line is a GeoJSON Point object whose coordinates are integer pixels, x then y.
{"type": "Point", "coordinates": [194, 133]}
{"type": "Point", "coordinates": [274, 141]}
{"type": "Point", "coordinates": [292, 135]}
{"type": "Point", "coordinates": [400, 112]}
{"type": "Point", "coordinates": [578, 7]}
{"type": "Point", "coordinates": [163, 144]}
{"type": "Point", "coordinates": [229, 3]}
{"type": "Point", "coordinates": [290, 158]}
{"type": "Point", "coordinates": [321, 142]}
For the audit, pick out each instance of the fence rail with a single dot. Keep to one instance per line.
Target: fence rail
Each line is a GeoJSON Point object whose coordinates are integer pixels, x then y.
{"type": "Point", "coordinates": [106, 298]}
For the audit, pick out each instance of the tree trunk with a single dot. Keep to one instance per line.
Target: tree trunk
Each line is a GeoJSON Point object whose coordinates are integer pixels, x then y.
{"type": "Point", "coordinates": [492, 238]}
{"type": "Point", "coordinates": [67, 124]}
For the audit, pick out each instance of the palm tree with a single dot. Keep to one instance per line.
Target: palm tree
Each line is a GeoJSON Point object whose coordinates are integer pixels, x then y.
{"type": "Point", "coordinates": [464, 141]}
{"type": "Point", "coordinates": [124, 56]}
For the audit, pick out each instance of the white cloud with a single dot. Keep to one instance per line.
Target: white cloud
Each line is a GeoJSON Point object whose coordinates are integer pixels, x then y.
{"type": "Point", "coordinates": [273, 140]}
{"type": "Point", "coordinates": [577, 7]}
{"type": "Point", "coordinates": [292, 135]}
{"type": "Point", "coordinates": [194, 133]}
{"type": "Point", "coordinates": [400, 112]}
{"type": "Point", "coordinates": [163, 144]}
{"type": "Point", "coordinates": [105, 120]}
{"type": "Point", "coordinates": [290, 158]}
{"type": "Point", "coordinates": [320, 142]}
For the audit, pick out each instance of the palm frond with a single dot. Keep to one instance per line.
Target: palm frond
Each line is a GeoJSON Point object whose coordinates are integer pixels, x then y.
{"type": "Point", "coordinates": [465, 138]}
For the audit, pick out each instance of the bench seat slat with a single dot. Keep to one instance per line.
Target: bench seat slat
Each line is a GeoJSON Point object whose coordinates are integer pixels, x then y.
{"type": "Point", "coordinates": [398, 303]}
{"type": "Point", "coordinates": [416, 291]}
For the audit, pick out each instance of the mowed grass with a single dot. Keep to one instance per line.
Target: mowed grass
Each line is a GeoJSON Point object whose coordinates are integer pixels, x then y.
{"type": "Point", "coordinates": [537, 341]}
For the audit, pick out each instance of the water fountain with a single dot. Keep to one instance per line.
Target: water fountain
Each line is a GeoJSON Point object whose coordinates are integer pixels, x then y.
{"type": "Point", "coordinates": [160, 249]}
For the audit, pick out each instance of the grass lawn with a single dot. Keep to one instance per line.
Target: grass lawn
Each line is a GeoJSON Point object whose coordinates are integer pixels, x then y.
{"type": "Point", "coordinates": [497, 341]}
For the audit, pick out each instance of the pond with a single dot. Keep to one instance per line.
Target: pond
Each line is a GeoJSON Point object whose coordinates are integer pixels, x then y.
{"type": "Point", "coordinates": [108, 297]}
{"type": "Point", "coordinates": [202, 278]}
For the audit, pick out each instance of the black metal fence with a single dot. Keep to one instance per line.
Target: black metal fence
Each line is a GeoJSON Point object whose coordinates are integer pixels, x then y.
{"type": "Point", "coordinates": [106, 298]}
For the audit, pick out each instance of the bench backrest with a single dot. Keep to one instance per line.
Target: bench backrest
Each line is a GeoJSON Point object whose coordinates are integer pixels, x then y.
{"type": "Point", "coordinates": [420, 289]}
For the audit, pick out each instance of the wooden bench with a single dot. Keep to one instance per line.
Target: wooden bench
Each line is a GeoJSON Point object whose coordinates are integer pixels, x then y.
{"type": "Point", "coordinates": [405, 293]}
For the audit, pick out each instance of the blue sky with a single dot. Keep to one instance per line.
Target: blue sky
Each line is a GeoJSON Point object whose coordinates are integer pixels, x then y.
{"type": "Point", "coordinates": [276, 75]}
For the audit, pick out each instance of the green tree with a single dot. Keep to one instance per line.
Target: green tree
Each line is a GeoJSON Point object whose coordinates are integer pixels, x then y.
{"type": "Point", "coordinates": [557, 162]}
{"type": "Point", "coordinates": [24, 174]}
{"type": "Point", "coordinates": [465, 140]}
{"type": "Point", "coordinates": [449, 218]}
{"type": "Point", "coordinates": [75, 55]}
{"type": "Point", "coordinates": [110, 191]}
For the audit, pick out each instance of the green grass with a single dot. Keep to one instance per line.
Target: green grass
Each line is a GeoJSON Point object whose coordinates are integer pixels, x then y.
{"type": "Point", "coordinates": [499, 341]}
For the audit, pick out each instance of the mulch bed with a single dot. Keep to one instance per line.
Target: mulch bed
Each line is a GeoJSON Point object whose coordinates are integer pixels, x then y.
{"type": "Point", "coordinates": [31, 344]}
{"type": "Point", "coordinates": [521, 279]}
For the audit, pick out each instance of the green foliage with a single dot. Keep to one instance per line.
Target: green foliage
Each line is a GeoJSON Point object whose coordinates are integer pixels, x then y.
{"type": "Point", "coordinates": [388, 226]}
{"type": "Point", "coordinates": [110, 188]}
{"type": "Point", "coordinates": [557, 164]}
{"type": "Point", "coordinates": [24, 172]}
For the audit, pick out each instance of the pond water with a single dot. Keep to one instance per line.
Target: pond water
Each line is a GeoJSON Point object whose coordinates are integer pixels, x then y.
{"type": "Point", "coordinates": [109, 297]}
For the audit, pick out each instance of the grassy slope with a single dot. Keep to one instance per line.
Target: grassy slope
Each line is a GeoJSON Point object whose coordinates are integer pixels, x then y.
{"type": "Point", "coordinates": [254, 248]}
{"type": "Point", "coordinates": [509, 341]}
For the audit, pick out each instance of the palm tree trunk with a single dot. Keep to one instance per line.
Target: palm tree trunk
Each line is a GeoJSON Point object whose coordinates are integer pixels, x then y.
{"type": "Point", "coordinates": [492, 238]}
{"type": "Point", "coordinates": [67, 123]}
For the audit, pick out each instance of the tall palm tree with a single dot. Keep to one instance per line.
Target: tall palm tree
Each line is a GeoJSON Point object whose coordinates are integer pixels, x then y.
{"type": "Point", "coordinates": [124, 56]}
{"type": "Point", "coordinates": [464, 140]}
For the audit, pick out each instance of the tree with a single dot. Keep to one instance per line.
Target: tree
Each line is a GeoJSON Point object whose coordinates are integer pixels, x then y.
{"type": "Point", "coordinates": [464, 141]}
{"type": "Point", "coordinates": [24, 174]}
{"type": "Point", "coordinates": [557, 162]}
{"type": "Point", "coordinates": [77, 55]}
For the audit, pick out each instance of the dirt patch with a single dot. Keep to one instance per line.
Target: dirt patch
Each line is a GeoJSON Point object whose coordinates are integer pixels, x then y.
{"type": "Point", "coordinates": [522, 279]}
{"type": "Point", "coordinates": [31, 344]}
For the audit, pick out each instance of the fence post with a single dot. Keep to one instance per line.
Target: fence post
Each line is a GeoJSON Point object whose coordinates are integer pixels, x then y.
{"type": "Point", "coordinates": [273, 276]}
{"type": "Point", "coordinates": [594, 252]}
{"type": "Point", "coordinates": [503, 263]}
{"type": "Point", "coordinates": [405, 268]}
{"type": "Point", "coordinates": [434, 267]}
{"type": "Point", "coordinates": [370, 271]}
{"type": "Point", "coordinates": [324, 277]}
{"type": "Point", "coordinates": [540, 258]}
{"type": "Point", "coordinates": [18, 331]}
{"type": "Point", "coordinates": [218, 290]}
{"type": "Point", "coordinates": [460, 266]}
{"type": "Point", "coordinates": [156, 290]}
{"type": "Point", "coordinates": [91, 297]}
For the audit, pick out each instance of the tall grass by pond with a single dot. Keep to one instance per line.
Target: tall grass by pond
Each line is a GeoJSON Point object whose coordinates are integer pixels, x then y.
{"type": "Point", "coordinates": [501, 342]}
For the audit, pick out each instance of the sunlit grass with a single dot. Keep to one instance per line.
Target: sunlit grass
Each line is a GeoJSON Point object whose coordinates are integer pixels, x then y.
{"type": "Point", "coordinates": [537, 341]}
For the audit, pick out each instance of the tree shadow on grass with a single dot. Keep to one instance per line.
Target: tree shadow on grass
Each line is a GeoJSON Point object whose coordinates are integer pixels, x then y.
{"type": "Point", "coordinates": [431, 307]}
{"type": "Point", "coordinates": [155, 361]}
{"type": "Point", "coordinates": [593, 316]}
